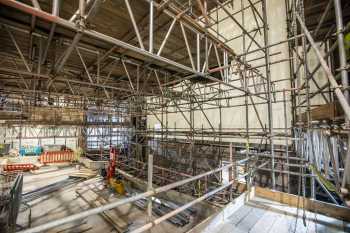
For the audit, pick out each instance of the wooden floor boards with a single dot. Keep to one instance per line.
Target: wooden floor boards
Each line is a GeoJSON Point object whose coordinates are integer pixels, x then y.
{"type": "Point", "coordinates": [260, 215]}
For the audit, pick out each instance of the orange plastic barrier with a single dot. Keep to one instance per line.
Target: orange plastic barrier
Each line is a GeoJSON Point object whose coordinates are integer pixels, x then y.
{"type": "Point", "coordinates": [19, 167]}
{"type": "Point", "coordinates": [57, 157]}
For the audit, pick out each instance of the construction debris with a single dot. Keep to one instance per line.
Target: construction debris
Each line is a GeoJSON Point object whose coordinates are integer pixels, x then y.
{"type": "Point", "coordinates": [48, 189]}
{"type": "Point", "coordinates": [161, 207]}
{"type": "Point", "coordinates": [84, 173]}
{"type": "Point", "coordinates": [95, 200]}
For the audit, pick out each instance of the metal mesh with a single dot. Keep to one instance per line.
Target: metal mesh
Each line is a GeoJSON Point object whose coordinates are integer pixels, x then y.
{"type": "Point", "coordinates": [10, 198]}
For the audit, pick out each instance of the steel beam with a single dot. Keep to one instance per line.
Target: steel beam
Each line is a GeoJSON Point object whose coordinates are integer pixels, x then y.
{"type": "Point", "coordinates": [55, 12]}
{"type": "Point", "coordinates": [342, 52]}
{"type": "Point", "coordinates": [18, 49]}
{"type": "Point", "coordinates": [337, 89]}
{"type": "Point", "coordinates": [167, 36]}
{"type": "Point", "coordinates": [151, 22]}
{"type": "Point", "coordinates": [136, 29]}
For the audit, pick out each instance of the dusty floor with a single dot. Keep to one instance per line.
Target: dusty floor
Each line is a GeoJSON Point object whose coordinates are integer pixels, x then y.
{"type": "Point", "coordinates": [73, 199]}
{"type": "Point", "coordinates": [263, 216]}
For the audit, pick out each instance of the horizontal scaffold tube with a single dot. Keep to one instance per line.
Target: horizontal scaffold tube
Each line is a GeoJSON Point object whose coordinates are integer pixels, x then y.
{"type": "Point", "coordinates": [115, 204]}
{"type": "Point", "coordinates": [180, 209]}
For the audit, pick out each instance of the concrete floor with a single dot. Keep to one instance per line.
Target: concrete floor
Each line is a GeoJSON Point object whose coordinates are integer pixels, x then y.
{"type": "Point", "coordinates": [66, 202]}
{"type": "Point", "coordinates": [263, 216]}
{"type": "Point", "coordinates": [256, 216]}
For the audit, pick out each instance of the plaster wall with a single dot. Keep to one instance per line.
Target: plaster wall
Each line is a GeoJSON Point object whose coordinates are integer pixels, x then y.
{"type": "Point", "coordinates": [233, 118]}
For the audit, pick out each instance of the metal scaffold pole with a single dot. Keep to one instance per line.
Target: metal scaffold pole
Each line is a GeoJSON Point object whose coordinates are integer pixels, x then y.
{"type": "Point", "coordinates": [269, 92]}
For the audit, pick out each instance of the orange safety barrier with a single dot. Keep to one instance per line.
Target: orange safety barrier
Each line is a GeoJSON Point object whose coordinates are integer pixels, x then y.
{"type": "Point", "coordinates": [57, 157]}
{"type": "Point", "coordinates": [20, 167]}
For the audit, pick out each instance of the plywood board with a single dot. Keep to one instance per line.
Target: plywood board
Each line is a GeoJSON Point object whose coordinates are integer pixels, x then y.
{"type": "Point", "coordinates": [331, 210]}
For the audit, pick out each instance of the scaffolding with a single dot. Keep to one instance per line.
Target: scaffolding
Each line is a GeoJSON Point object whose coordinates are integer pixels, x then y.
{"type": "Point", "coordinates": [177, 60]}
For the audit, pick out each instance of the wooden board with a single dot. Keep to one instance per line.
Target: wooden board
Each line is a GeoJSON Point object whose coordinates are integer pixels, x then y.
{"type": "Point", "coordinates": [94, 165]}
{"type": "Point", "coordinates": [44, 170]}
{"type": "Point", "coordinates": [53, 115]}
{"type": "Point", "coordinates": [327, 209]}
{"type": "Point", "coordinates": [95, 200]}
{"type": "Point", "coordinates": [329, 111]}
{"type": "Point", "coordinates": [84, 173]}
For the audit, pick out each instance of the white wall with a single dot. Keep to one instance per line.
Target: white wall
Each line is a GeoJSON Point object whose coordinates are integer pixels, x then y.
{"type": "Point", "coordinates": [235, 117]}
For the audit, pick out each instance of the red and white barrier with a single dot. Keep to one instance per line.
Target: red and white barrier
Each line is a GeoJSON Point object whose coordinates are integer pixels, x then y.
{"type": "Point", "coordinates": [19, 167]}
{"type": "Point", "coordinates": [57, 157]}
